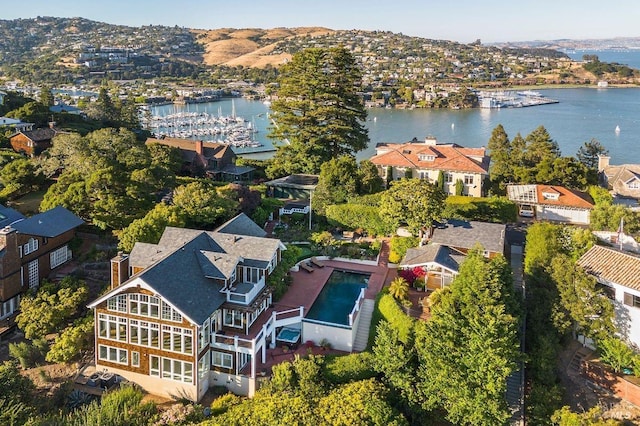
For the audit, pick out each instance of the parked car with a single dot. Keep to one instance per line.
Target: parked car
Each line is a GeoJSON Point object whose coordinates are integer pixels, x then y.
{"type": "Point", "coordinates": [526, 210]}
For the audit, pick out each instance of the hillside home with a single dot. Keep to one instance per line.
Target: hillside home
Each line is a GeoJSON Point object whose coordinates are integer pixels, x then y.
{"type": "Point", "coordinates": [33, 142]}
{"type": "Point", "coordinates": [12, 123]}
{"type": "Point", "coordinates": [213, 159]}
{"type": "Point", "coordinates": [618, 274]}
{"type": "Point", "coordinates": [623, 180]}
{"type": "Point", "coordinates": [427, 159]}
{"type": "Point", "coordinates": [30, 249]}
{"type": "Point", "coordinates": [448, 246]}
{"type": "Point", "coordinates": [552, 202]}
{"type": "Point", "coordinates": [192, 311]}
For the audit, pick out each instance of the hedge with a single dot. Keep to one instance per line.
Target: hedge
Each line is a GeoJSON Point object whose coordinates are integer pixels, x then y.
{"type": "Point", "coordinates": [354, 216]}
{"type": "Point", "coordinates": [339, 369]}
{"type": "Point", "coordinates": [492, 209]}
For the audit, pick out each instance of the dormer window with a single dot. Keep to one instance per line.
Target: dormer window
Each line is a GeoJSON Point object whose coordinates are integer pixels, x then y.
{"type": "Point", "coordinates": [633, 184]}
{"type": "Point", "coordinates": [551, 195]}
{"type": "Point", "coordinates": [427, 157]}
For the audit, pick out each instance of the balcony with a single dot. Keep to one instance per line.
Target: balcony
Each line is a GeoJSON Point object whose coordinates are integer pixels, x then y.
{"type": "Point", "coordinates": [244, 293]}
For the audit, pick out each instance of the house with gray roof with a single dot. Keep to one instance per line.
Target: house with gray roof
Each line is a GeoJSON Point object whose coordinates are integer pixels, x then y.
{"type": "Point", "coordinates": [190, 312]}
{"type": "Point", "coordinates": [31, 249]}
{"type": "Point", "coordinates": [441, 254]}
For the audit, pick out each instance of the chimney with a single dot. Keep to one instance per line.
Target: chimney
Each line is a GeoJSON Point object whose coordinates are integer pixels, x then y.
{"type": "Point", "coordinates": [199, 147]}
{"type": "Point", "coordinates": [52, 124]}
{"type": "Point", "coordinates": [9, 243]}
{"type": "Point", "coordinates": [603, 162]}
{"type": "Point", "coordinates": [119, 269]}
{"type": "Point", "coordinates": [430, 140]}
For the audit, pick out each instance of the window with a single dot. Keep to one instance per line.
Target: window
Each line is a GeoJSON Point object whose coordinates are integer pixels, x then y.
{"type": "Point", "coordinates": [168, 313]}
{"type": "Point", "coordinates": [448, 177]}
{"type": "Point", "coordinates": [112, 327]}
{"type": "Point", "coordinates": [252, 275]}
{"type": "Point", "coordinates": [111, 354]}
{"type": "Point", "coordinates": [59, 256]}
{"type": "Point", "coordinates": [632, 300]}
{"type": "Point", "coordinates": [174, 369]}
{"type": "Point", "coordinates": [222, 359]}
{"type": "Point", "coordinates": [426, 157]}
{"type": "Point", "coordinates": [31, 246]}
{"type": "Point", "coordinates": [117, 303]}
{"type": "Point", "coordinates": [205, 334]}
{"type": "Point", "coordinates": [154, 366]}
{"type": "Point", "coordinates": [34, 278]}
{"type": "Point", "coordinates": [143, 333]}
{"type": "Point", "coordinates": [233, 318]}
{"type": "Point", "coordinates": [203, 368]}
{"type": "Point", "coordinates": [9, 307]}
{"type": "Point", "coordinates": [177, 339]}
{"type": "Point", "coordinates": [135, 359]}
{"type": "Point", "coordinates": [144, 305]}
{"type": "Point", "coordinates": [468, 179]}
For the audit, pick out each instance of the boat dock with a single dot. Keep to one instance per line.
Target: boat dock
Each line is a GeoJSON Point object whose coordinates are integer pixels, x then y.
{"type": "Point", "coordinates": [512, 99]}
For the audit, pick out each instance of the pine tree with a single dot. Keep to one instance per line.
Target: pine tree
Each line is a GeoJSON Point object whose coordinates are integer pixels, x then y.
{"type": "Point", "coordinates": [317, 110]}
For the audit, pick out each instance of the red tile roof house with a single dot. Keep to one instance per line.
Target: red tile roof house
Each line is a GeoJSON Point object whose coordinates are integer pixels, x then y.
{"type": "Point", "coordinates": [553, 203]}
{"type": "Point", "coordinates": [215, 160]}
{"type": "Point", "coordinates": [30, 249]}
{"type": "Point", "coordinates": [618, 273]}
{"type": "Point", "coordinates": [192, 311]}
{"type": "Point", "coordinates": [425, 160]}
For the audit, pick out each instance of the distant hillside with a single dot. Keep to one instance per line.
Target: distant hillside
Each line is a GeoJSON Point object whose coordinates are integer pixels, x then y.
{"type": "Point", "coordinates": [590, 44]}
{"type": "Point", "coordinates": [80, 51]}
{"type": "Point", "coordinates": [249, 47]}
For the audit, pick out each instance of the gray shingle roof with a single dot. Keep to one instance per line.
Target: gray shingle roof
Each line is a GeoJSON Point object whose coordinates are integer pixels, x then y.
{"type": "Point", "coordinates": [242, 225]}
{"type": "Point", "coordinates": [179, 279]}
{"type": "Point", "coordinates": [49, 224]}
{"type": "Point", "coordinates": [435, 253]}
{"type": "Point", "coordinates": [466, 234]}
{"type": "Point", "coordinates": [612, 265]}
{"type": "Point", "coordinates": [9, 215]}
{"type": "Point", "coordinates": [181, 266]}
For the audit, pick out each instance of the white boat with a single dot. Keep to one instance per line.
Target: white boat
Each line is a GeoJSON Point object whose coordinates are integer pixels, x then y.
{"type": "Point", "coordinates": [617, 129]}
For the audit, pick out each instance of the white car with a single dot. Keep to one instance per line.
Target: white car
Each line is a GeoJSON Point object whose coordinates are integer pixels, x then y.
{"type": "Point", "coordinates": [526, 211]}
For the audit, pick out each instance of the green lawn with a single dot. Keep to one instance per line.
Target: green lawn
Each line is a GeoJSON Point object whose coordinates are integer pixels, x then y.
{"type": "Point", "coordinates": [29, 204]}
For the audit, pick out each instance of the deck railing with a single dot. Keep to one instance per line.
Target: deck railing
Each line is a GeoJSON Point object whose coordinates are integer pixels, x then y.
{"type": "Point", "coordinates": [356, 307]}
{"type": "Point", "coordinates": [246, 298]}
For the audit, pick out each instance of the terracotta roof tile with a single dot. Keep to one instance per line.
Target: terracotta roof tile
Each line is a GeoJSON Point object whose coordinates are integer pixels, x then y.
{"type": "Point", "coordinates": [613, 266]}
{"type": "Point", "coordinates": [567, 197]}
{"type": "Point", "coordinates": [450, 157]}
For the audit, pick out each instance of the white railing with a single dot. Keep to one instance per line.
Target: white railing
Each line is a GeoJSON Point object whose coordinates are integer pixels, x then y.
{"type": "Point", "coordinates": [356, 307]}
{"type": "Point", "coordinates": [246, 298]}
{"type": "Point", "coordinates": [293, 210]}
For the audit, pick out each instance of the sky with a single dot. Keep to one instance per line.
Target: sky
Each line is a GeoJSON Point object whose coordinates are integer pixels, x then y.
{"type": "Point", "coordinates": [458, 20]}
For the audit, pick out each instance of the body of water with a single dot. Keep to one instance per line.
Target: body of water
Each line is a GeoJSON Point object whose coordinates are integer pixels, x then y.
{"type": "Point", "coordinates": [580, 115]}
{"type": "Point", "coordinates": [627, 57]}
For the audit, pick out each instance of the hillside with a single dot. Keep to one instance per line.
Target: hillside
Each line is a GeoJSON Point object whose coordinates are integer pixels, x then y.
{"type": "Point", "coordinates": [249, 47]}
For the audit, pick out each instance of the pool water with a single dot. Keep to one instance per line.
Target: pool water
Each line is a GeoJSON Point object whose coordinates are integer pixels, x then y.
{"type": "Point", "coordinates": [338, 297]}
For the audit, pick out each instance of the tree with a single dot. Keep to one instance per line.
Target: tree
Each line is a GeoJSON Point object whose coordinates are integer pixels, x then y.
{"type": "Point", "coordinates": [339, 181]}
{"type": "Point", "coordinates": [50, 307]}
{"type": "Point", "coordinates": [399, 289]}
{"type": "Point", "coordinates": [501, 168]}
{"type": "Point", "coordinates": [46, 97]}
{"type": "Point", "coordinates": [149, 228]}
{"type": "Point", "coordinates": [317, 110]}
{"type": "Point", "coordinates": [569, 172]}
{"type": "Point", "coordinates": [103, 109]}
{"type": "Point", "coordinates": [593, 417]}
{"type": "Point", "coordinates": [16, 395]}
{"type": "Point", "coordinates": [201, 205]}
{"type": "Point", "coordinates": [22, 174]}
{"type": "Point", "coordinates": [459, 187]}
{"type": "Point", "coordinates": [589, 152]}
{"type": "Point", "coordinates": [72, 342]}
{"type": "Point", "coordinates": [414, 202]}
{"type": "Point", "coordinates": [370, 180]}
{"type": "Point", "coordinates": [469, 347]}
{"type": "Point", "coordinates": [583, 306]}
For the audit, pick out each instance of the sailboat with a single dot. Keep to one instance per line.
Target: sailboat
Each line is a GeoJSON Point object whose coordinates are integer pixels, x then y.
{"type": "Point", "coordinates": [617, 129]}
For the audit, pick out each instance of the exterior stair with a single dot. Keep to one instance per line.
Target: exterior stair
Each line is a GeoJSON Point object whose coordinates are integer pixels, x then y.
{"type": "Point", "coordinates": [362, 333]}
{"type": "Point", "coordinates": [576, 361]}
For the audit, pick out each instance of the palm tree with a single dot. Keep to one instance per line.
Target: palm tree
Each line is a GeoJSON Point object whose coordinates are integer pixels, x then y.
{"type": "Point", "coordinates": [399, 289]}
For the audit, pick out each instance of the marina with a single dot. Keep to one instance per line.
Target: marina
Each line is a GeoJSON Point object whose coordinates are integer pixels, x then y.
{"type": "Point", "coordinates": [512, 99]}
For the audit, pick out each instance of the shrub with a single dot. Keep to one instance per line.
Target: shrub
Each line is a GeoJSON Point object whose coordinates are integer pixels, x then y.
{"type": "Point", "coordinates": [27, 354]}
{"type": "Point", "coordinates": [398, 247]}
{"type": "Point", "coordinates": [616, 354]}
{"type": "Point", "coordinates": [492, 209]}
{"type": "Point", "coordinates": [339, 369]}
{"type": "Point", "coordinates": [392, 313]}
{"type": "Point", "coordinates": [221, 404]}
{"type": "Point", "coordinates": [354, 216]}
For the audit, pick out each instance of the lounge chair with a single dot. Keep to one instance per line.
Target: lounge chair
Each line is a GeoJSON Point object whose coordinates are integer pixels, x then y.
{"type": "Point", "coordinates": [317, 262]}
{"type": "Point", "coordinates": [306, 266]}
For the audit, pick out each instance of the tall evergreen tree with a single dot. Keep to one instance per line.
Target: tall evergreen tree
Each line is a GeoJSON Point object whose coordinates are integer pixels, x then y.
{"type": "Point", "coordinates": [469, 347]}
{"type": "Point", "coordinates": [317, 110]}
{"type": "Point", "coordinates": [501, 168]}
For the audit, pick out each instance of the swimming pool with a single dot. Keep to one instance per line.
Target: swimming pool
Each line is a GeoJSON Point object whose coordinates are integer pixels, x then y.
{"type": "Point", "coordinates": [338, 297]}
